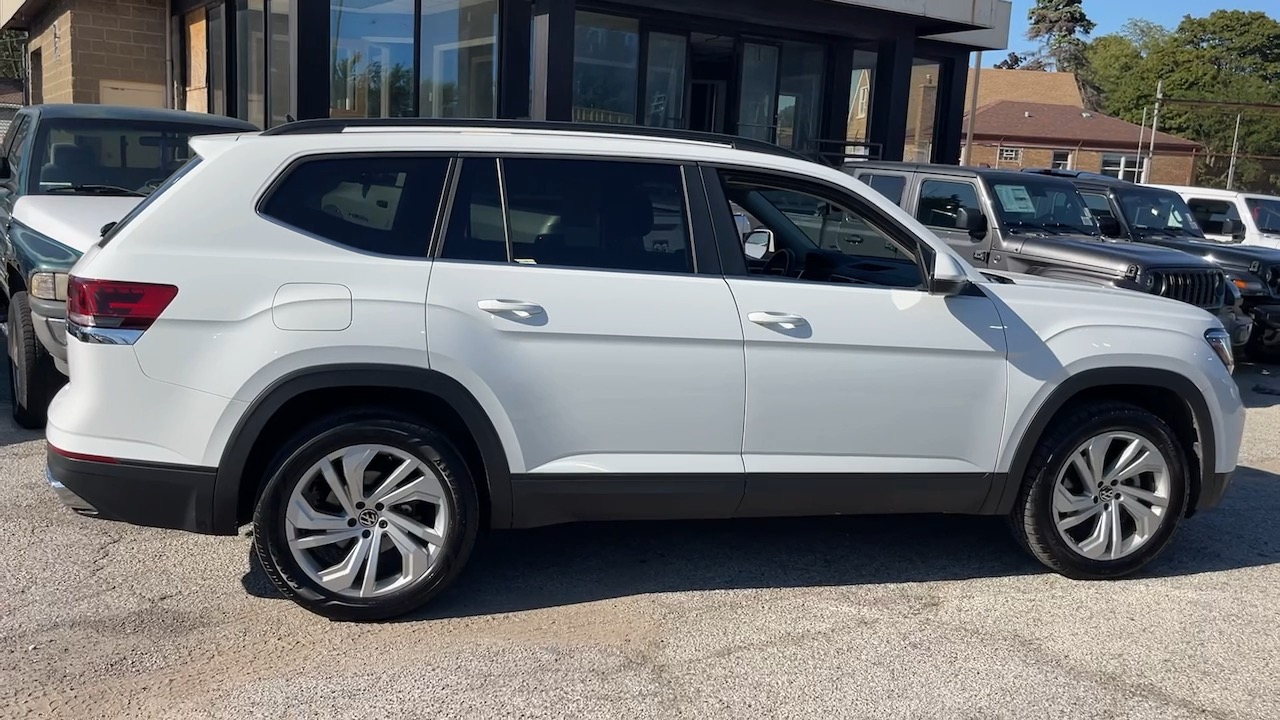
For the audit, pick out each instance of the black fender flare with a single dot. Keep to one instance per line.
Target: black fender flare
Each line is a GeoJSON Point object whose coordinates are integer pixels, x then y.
{"type": "Point", "coordinates": [235, 456]}
{"type": "Point", "coordinates": [1002, 496]}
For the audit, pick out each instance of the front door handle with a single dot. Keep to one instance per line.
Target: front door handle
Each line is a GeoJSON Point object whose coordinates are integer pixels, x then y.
{"type": "Point", "coordinates": [519, 308]}
{"type": "Point", "coordinates": [776, 318]}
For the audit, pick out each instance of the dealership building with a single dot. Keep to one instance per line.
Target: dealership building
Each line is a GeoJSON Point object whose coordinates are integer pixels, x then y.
{"type": "Point", "coordinates": [882, 77]}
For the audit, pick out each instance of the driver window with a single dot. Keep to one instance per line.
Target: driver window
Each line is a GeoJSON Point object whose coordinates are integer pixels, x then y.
{"type": "Point", "coordinates": [814, 237]}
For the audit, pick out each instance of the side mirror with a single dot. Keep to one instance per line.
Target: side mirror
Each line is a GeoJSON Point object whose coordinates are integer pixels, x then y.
{"type": "Point", "coordinates": [758, 243]}
{"type": "Point", "coordinates": [1108, 226]}
{"type": "Point", "coordinates": [949, 275]}
{"type": "Point", "coordinates": [1233, 228]}
{"type": "Point", "coordinates": [971, 221]}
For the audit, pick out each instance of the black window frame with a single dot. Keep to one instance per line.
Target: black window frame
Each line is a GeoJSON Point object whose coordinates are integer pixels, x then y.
{"type": "Point", "coordinates": [918, 251]}
{"type": "Point", "coordinates": [702, 253]}
{"type": "Point", "coordinates": [954, 180]}
{"type": "Point", "coordinates": [433, 232]}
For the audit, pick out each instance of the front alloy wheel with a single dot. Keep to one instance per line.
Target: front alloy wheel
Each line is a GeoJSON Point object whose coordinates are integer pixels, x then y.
{"type": "Point", "coordinates": [368, 516]}
{"type": "Point", "coordinates": [1104, 492]}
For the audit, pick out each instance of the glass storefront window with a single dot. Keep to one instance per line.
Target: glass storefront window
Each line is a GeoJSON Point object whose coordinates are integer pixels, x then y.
{"type": "Point", "coordinates": [459, 59]}
{"type": "Point", "coordinates": [800, 96]}
{"type": "Point", "coordinates": [371, 50]}
{"type": "Point", "coordinates": [922, 110]}
{"type": "Point", "coordinates": [251, 62]}
{"type": "Point", "coordinates": [217, 60]}
{"type": "Point", "coordinates": [279, 79]}
{"type": "Point", "coordinates": [758, 94]}
{"type": "Point", "coordinates": [664, 81]}
{"type": "Point", "coordinates": [606, 68]}
{"type": "Point", "coordinates": [861, 85]}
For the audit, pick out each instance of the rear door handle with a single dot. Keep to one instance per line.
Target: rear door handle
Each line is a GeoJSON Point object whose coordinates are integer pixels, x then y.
{"type": "Point", "coordinates": [776, 318]}
{"type": "Point", "coordinates": [519, 308]}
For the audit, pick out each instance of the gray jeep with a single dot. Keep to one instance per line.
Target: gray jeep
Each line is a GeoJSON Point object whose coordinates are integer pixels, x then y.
{"type": "Point", "coordinates": [1001, 220]}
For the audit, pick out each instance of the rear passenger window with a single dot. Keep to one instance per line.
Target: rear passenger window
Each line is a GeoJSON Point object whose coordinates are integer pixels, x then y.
{"type": "Point", "coordinates": [890, 186]}
{"type": "Point", "coordinates": [384, 205]}
{"type": "Point", "coordinates": [1211, 214]}
{"type": "Point", "coordinates": [572, 213]}
{"type": "Point", "coordinates": [1099, 205]}
{"type": "Point", "coordinates": [940, 199]}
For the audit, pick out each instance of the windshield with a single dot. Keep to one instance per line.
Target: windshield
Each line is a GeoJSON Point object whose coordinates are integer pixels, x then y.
{"type": "Point", "coordinates": [1266, 213]}
{"type": "Point", "coordinates": [109, 157]}
{"type": "Point", "coordinates": [1054, 207]}
{"type": "Point", "coordinates": [1157, 212]}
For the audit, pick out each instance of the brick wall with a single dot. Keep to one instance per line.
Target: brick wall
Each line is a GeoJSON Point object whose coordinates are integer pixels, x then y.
{"type": "Point", "coordinates": [119, 40]}
{"type": "Point", "coordinates": [51, 37]}
{"type": "Point", "coordinates": [1165, 169]}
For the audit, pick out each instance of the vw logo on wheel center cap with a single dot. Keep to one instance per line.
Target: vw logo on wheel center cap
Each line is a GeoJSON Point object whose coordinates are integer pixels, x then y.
{"type": "Point", "coordinates": [368, 518]}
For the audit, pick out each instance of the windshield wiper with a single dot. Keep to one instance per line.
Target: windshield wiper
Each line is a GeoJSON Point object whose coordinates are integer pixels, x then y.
{"type": "Point", "coordinates": [96, 190]}
{"type": "Point", "coordinates": [1167, 232]}
{"type": "Point", "coordinates": [1067, 226]}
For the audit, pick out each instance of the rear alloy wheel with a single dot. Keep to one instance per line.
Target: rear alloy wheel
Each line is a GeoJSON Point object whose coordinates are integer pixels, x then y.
{"type": "Point", "coordinates": [367, 519]}
{"type": "Point", "coordinates": [33, 378]}
{"type": "Point", "coordinates": [1105, 492]}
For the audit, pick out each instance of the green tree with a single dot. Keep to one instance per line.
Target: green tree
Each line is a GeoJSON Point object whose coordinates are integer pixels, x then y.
{"type": "Point", "coordinates": [1021, 62]}
{"type": "Point", "coordinates": [1227, 55]}
{"type": "Point", "coordinates": [1062, 29]}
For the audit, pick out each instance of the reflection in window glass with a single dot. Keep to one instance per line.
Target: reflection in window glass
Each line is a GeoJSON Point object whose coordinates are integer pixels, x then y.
{"type": "Point", "coordinates": [758, 98]}
{"type": "Point", "coordinates": [597, 214]}
{"type": "Point", "coordinates": [859, 123]}
{"type": "Point", "coordinates": [800, 95]}
{"type": "Point", "coordinates": [371, 59]}
{"type": "Point", "coordinates": [890, 186]}
{"type": "Point", "coordinates": [606, 68]}
{"type": "Point", "coordinates": [217, 60]}
{"type": "Point", "coordinates": [664, 81]}
{"type": "Point", "coordinates": [251, 63]}
{"type": "Point", "coordinates": [922, 110]}
{"type": "Point", "coordinates": [459, 59]}
{"type": "Point", "coordinates": [1213, 214]}
{"type": "Point", "coordinates": [280, 81]}
{"type": "Point", "coordinates": [382, 205]}
{"type": "Point", "coordinates": [941, 199]}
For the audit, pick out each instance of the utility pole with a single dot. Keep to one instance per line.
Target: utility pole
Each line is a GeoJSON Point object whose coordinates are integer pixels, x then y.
{"type": "Point", "coordinates": [1235, 151]}
{"type": "Point", "coordinates": [1142, 134]}
{"type": "Point", "coordinates": [973, 111]}
{"type": "Point", "coordinates": [1155, 126]}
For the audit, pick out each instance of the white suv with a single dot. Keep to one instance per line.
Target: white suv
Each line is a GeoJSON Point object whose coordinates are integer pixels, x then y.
{"type": "Point", "coordinates": [1231, 216]}
{"type": "Point", "coordinates": [533, 324]}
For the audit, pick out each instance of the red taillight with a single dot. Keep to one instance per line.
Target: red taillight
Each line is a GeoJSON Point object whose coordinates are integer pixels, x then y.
{"type": "Point", "coordinates": [81, 456]}
{"type": "Point", "coordinates": [112, 304]}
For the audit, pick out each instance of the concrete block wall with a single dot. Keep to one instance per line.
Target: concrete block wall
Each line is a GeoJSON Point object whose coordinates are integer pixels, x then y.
{"type": "Point", "coordinates": [122, 40]}
{"type": "Point", "coordinates": [51, 37]}
{"type": "Point", "coordinates": [84, 42]}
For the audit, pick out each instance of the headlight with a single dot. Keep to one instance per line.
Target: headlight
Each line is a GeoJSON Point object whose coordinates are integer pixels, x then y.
{"type": "Point", "coordinates": [1220, 341]}
{"type": "Point", "coordinates": [49, 286]}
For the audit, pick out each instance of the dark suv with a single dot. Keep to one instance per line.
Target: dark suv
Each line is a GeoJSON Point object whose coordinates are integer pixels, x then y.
{"type": "Point", "coordinates": [1041, 225]}
{"type": "Point", "coordinates": [1156, 216]}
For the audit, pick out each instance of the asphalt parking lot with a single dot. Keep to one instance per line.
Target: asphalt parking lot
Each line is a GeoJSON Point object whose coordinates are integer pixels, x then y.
{"type": "Point", "coordinates": [908, 617]}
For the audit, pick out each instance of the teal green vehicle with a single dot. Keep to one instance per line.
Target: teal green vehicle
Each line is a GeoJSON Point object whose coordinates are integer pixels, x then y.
{"type": "Point", "coordinates": [67, 172]}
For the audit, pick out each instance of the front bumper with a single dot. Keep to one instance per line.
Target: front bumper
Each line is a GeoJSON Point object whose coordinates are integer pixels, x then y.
{"type": "Point", "coordinates": [49, 318]}
{"type": "Point", "coordinates": [154, 495]}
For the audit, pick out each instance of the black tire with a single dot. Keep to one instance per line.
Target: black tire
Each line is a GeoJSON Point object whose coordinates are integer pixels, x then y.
{"type": "Point", "coordinates": [1263, 345]}
{"type": "Point", "coordinates": [328, 435]}
{"type": "Point", "coordinates": [33, 378]}
{"type": "Point", "coordinates": [1032, 518]}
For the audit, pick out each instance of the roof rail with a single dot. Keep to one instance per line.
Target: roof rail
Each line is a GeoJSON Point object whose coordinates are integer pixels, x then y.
{"type": "Point", "coordinates": [334, 125]}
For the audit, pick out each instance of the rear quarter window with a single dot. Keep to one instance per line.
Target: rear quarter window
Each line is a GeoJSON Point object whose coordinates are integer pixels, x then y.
{"type": "Point", "coordinates": [384, 205]}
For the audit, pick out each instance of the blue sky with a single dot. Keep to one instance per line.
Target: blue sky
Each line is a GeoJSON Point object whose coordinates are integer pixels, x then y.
{"type": "Point", "coordinates": [1110, 15]}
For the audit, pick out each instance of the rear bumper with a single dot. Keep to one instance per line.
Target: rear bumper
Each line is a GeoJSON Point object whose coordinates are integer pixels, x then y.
{"type": "Point", "coordinates": [165, 496]}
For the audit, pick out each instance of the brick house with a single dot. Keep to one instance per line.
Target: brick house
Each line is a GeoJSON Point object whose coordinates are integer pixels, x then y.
{"type": "Point", "coordinates": [1022, 134]}
{"type": "Point", "coordinates": [1029, 118]}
